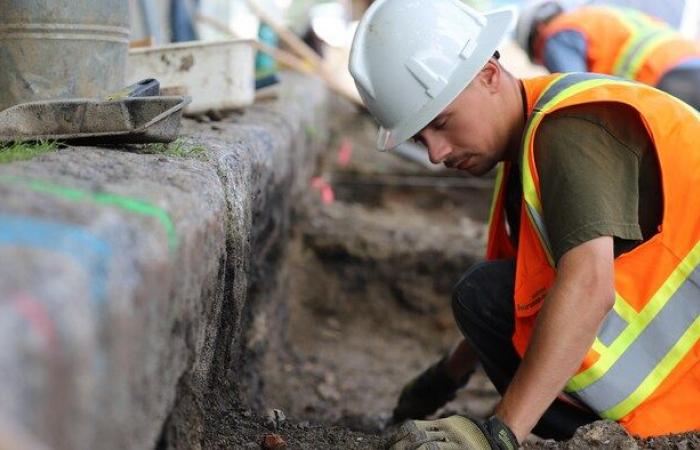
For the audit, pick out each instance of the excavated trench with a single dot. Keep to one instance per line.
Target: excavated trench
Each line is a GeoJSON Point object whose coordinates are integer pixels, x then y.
{"type": "Point", "coordinates": [370, 279]}
{"type": "Point", "coordinates": [364, 305]}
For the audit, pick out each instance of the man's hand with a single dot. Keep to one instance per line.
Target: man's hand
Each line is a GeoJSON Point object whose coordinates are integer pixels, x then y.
{"type": "Point", "coordinates": [424, 394]}
{"type": "Point", "coordinates": [453, 433]}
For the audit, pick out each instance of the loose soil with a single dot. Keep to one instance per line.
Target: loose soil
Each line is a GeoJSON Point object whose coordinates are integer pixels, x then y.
{"type": "Point", "coordinates": [368, 280]}
{"type": "Point", "coordinates": [369, 301]}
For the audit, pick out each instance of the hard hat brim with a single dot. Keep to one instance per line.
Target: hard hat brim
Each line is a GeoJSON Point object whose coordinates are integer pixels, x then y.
{"type": "Point", "coordinates": [498, 24]}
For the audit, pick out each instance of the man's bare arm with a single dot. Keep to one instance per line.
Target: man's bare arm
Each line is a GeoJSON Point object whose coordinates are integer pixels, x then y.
{"type": "Point", "coordinates": [583, 293]}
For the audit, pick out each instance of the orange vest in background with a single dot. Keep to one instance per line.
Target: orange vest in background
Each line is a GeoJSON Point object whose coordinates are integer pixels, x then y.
{"type": "Point", "coordinates": [643, 369]}
{"type": "Point", "coordinates": [623, 42]}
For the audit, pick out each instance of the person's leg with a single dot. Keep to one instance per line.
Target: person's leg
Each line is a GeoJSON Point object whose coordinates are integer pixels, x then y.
{"type": "Point", "coordinates": [483, 307]}
{"type": "Point", "coordinates": [683, 84]}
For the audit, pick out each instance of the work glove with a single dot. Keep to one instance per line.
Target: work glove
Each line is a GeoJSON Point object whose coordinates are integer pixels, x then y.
{"type": "Point", "coordinates": [453, 433]}
{"type": "Point", "coordinates": [427, 392]}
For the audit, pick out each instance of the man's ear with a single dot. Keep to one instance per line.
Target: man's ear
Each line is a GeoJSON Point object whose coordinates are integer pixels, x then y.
{"type": "Point", "coordinates": [490, 76]}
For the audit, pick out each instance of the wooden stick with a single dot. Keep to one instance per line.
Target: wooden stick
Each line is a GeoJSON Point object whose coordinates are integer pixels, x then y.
{"type": "Point", "coordinates": [295, 43]}
{"type": "Point", "coordinates": [141, 43]}
{"type": "Point", "coordinates": [315, 66]}
{"type": "Point", "coordinates": [281, 56]}
{"type": "Point", "coordinates": [303, 50]}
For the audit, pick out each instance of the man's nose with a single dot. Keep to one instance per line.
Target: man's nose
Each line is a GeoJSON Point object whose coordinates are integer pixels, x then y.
{"type": "Point", "coordinates": [438, 149]}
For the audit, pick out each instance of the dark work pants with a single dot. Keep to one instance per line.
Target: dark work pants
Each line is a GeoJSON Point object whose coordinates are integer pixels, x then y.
{"type": "Point", "coordinates": [483, 307]}
{"type": "Point", "coordinates": [683, 84]}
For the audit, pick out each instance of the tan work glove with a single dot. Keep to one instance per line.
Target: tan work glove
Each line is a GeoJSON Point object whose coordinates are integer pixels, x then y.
{"type": "Point", "coordinates": [453, 433]}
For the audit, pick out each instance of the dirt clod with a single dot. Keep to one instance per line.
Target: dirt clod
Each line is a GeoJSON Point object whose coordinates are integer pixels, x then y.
{"type": "Point", "coordinates": [273, 442]}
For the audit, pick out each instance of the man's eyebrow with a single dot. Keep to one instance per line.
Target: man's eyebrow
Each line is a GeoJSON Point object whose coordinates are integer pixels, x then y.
{"type": "Point", "coordinates": [437, 119]}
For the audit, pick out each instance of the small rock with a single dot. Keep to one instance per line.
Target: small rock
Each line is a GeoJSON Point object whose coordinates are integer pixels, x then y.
{"type": "Point", "coordinates": [330, 334]}
{"type": "Point", "coordinates": [303, 425]}
{"type": "Point", "coordinates": [328, 392]}
{"type": "Point", "coordinates": [275, 418]}
{"type": "Point", "coordinates": [215, 115]}
{"type": "Point", "coordinates": [273, 442]}
{"type": "Point", "coordinates": [329, 378]}
{"type": "Point", "coordinates": [309, 408]}
{"type": "Point", "coordinates": [247, 413]}
{"type": "Point", "coordinates": [333, 324]}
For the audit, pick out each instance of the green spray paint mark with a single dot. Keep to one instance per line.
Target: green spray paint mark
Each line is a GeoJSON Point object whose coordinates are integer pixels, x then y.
{"type": "Point", "coordinates": [126, 203]}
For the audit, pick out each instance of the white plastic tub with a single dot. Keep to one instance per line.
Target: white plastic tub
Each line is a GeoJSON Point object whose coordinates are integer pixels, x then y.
{"type": "Point", "coordinates": [216, 74]}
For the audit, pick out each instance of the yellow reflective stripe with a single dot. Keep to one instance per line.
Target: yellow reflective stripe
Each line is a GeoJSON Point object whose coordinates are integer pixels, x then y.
{"type": "Point", "coordinates": [640, 27]}
{"type": "Point", "coordinates": [528, 182]}
{"type": "Point", "coordinates": [658, 375]}
{"type": "Point", "coordinates": [637, 325]}
{"type": "Point", "coordinates": [498, 186]}
{"type": "Point", "coordinates": [530, 191]}
{"type": "Point", "coordinates": [641, 55]}
{"type": "Point", "coordinates": [624, 51]}
{"type": "Point", "coordinates": [598, 346]}
{"type": "Point", "coordinates": [634, 31]}
{"type": "Point", "coordinates": [624, 309]}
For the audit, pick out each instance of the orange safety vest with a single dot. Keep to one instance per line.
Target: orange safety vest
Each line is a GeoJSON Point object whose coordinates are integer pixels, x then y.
{"type": "Point", "coordinates": [623, 42]}
{"type": "Point", "coordinates": [643, 369]}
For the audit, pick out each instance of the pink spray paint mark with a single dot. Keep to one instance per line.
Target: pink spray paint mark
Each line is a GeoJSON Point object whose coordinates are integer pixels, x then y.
{"type": "Point", "coordinates": [36, 315]}
{"type": "Point", "coordinates": [345, 152]}
{"type": "Point", "coordinates": [324, 188]}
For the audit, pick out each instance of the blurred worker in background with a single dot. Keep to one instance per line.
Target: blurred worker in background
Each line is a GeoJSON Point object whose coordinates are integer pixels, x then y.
{"type": "Point", "coordinates": [613, 41]}
{"type": "Point", "coordinates": [592, 279]}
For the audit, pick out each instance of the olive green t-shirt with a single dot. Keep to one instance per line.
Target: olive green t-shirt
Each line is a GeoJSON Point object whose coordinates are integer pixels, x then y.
{"type": "Point", "coordinates": [599, 176]}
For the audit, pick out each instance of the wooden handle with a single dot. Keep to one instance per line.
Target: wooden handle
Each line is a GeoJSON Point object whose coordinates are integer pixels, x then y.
{"type": "Point", "coordinates": [303, 50]}
{"type": "Point", "coordinates": [309, 66]}
{"type": "Point", "coordinates": [282, 56]}
{"type": "Point", "coordinates": [292, 40]}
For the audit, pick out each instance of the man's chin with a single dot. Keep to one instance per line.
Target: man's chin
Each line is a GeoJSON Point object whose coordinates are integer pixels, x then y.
{"type": "Point", "coordinates": [475, 169]}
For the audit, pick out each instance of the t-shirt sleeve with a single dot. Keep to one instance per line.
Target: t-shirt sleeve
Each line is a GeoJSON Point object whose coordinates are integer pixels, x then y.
{"type": "Point", "coordinates": [565, 51]}
{"type": "Point", "coordinates": [588, 183]}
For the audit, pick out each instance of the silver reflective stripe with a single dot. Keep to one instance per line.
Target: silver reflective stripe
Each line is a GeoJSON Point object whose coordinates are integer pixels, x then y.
{"type": "Point", "coordinates": [638, 47]}
{"type": "Point", "coordinates": [539, 223]}
{"type": "Point", "coordinates": [647, 350]}
{"type": "Point", "coordinates": [565, 82]}
{"type": "Point", "coordinates": [612, 326]}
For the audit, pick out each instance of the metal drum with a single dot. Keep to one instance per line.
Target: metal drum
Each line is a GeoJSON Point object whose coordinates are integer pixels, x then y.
{"type": "Point", "coordinates": [61, 48]}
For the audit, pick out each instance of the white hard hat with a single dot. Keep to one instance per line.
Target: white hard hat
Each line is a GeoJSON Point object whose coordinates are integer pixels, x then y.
{"type": "Point", "coordinates": [529, 15]}
{"type": "Point", "coordinates": [411, 58]}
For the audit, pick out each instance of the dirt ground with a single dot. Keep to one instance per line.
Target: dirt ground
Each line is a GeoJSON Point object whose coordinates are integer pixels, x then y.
{"type": "Point", "coordinates": [378, 245]}
{"type": "Point", "coordinates": [369, 303]}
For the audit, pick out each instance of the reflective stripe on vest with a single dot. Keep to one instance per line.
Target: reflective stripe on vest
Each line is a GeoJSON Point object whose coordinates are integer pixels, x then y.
{"type": "Point", "coordinates": [498, 183]}
{"type": "Point", "coordinates": [637, 349]}
{"type": "Point", "coordinates": [561, 87]}
{"type": "Point", "coordinates": [645, 36]}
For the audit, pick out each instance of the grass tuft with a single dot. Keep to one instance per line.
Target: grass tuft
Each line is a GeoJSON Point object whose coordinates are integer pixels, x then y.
{"type": "Point", "coordinates": [22, 151]}
{"type": "Point", "coordinates": [177, 148]}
